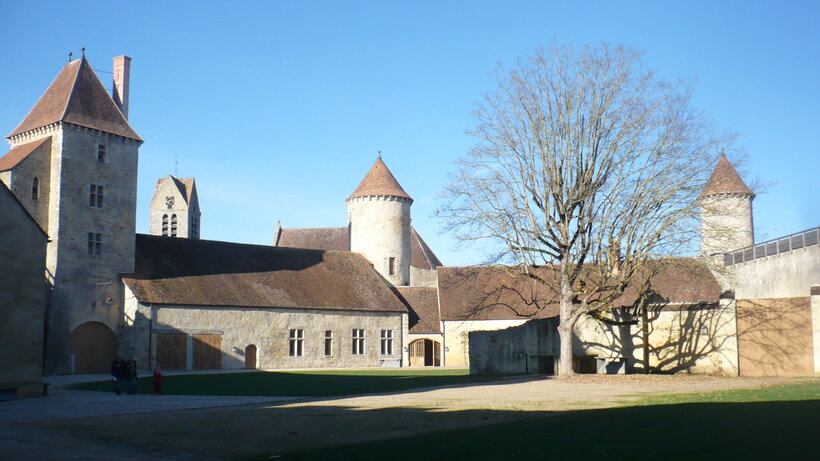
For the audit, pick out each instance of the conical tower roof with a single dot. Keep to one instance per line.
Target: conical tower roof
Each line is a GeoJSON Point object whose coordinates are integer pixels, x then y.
{"type": "Point", "coordinates": [78, 97]}
{"type": "Point", "coordinates": [379, 181]}
{"type": "Point", "coordinates": [725, 180]}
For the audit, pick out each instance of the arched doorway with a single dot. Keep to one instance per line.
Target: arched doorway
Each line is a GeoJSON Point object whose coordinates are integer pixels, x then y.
{"type": "Point", "coordinates": [250, 357]}
{"type": "Point", "coordinates": [425, 353]}
{"type": "Point", "coordinates": [94, 346]}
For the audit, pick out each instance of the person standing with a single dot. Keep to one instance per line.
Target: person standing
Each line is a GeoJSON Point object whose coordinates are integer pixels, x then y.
{"type": "Point", "coordinates": [117, 373]}
{"type": "Point", "coordinates": [156, 380]}
{"type": "Point", "coordinates": [131, 375]}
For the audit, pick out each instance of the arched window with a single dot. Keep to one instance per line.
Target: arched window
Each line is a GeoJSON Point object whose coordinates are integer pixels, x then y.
{"type": "Point", "coordinates": [35, 188]}
{"type": "Point", "coordinates": [173, 225]}
{"type": "Point", "coordinates": [165, 225]}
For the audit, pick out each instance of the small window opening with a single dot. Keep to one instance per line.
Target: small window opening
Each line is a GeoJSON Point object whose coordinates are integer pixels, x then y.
{"type": "Point", "coordinates": [101, 153]}
{"type": "Point", "coordinates": [328, 343]}
{"type": "Point", "coordinates": [94, 243]}
{"type": "Point", "coordinates": [35, 188]}
{"type": "Point", "coordinates": [296, 341]}
{"type": "Point", "coordinates": [391, 266]}
{"type": "Point", "coordinates": [358, 341]}
{"type": "Point", "coordinates": [95, 196]}
{"type": "Point", "coordinates": [165, 225]}
{"type": "Point", "coordinates": [173, 225]}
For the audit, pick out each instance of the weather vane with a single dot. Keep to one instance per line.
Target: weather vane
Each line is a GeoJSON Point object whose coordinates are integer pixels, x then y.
{"type": "Point", "coordinates": [83, 50]}
{"type": "Point", "coordinates": [69, 56]}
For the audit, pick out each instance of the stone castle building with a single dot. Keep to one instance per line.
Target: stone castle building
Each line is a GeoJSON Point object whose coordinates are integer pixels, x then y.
{"type": "Point", "coordinates": [369, 294]}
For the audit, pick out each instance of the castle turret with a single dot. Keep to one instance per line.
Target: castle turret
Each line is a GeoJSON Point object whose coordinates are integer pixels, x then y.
{"type": "Point", "coordinates": [73, 165]}
{"type": "Point", "coordinates": [175, 208]}
{"type": "Point", "coordinates": [379, 219]}
{"type": "Point", "coordinates": [726, 211]}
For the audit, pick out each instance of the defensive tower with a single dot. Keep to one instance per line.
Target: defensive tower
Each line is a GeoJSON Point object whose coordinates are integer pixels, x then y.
{"type": "Point", "coordinates": [726, 211]}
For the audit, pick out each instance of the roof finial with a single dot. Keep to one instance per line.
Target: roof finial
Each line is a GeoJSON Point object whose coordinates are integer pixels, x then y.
{"type": "Point", "coordinates": [380, 154]}
{"type": "Point", "coordinates": [69, 56]}
{"type": "Point", "coordinates": [83, 50]}
{"type": "Point", "coordinates": [176, 165]}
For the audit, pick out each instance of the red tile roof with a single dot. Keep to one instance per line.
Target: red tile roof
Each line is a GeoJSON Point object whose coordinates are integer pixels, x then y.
{"type": "Point", "coordinates": [77, 97]}
{"type": "Point", "coordinates": [725, 180]}
{"type": "Point", "coordinates": [337, 238]}
{"type": "Point", "coordinates": [379, 181]}
{"type": "Point", "coordinates": [18, 153]}
{"type": "Point", "coordinates": [499, 293]}
{"type": "Point", "coordinates": [423, 305]}
{"type": "Point", "coordinates": [210, 273]}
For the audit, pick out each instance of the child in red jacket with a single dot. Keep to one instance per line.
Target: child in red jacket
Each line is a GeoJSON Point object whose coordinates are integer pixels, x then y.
{"type": "Point", "coordinates": [156, 380]}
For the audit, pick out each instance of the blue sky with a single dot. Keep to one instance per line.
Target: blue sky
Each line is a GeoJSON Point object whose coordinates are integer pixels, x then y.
{"type": "Point", "coordinates": [279, 108]}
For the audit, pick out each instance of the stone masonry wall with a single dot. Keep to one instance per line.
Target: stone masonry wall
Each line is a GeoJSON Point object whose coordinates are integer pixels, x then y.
{"type": "Point", "coordinates": [379, 230]}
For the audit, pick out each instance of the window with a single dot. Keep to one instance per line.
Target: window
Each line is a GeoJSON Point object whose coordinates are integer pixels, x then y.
{"type": "Point", "coordinates": [328, 343]}
{"type": "Point", "coordinates": [35, 188]}
{"type": "Point", "coordinates": [194, 227]}
{"type": "Point", "coordinates": [173, 225]}
{"type": "Point", "coordinates": [100, 153]}
{"type": "Point", "coordinates": [94, 243]}
{"type": "Point", "coordinates": [387, 342]}
{"type": "Point", "coordinates": [95, 196]}
{"type": "Point", "coordinates": [165, 225]}
{"type": "Point", "coordinates": [296, 342]}
{"type": "Point", "coordinates": [358, 341]}
{"type": "Point", "coordinates": [391, 266]}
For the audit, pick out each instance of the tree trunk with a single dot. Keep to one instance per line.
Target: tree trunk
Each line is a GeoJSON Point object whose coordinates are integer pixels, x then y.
{"type": "Point", "coordinates": [645, 338]}
{"type": "Point", "coordinates": [568, 318]}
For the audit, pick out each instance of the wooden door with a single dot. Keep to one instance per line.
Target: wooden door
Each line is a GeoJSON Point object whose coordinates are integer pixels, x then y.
{"type": "Point", "coordinates": [207, 352]}
{"type": "Point", "coordinates": [417, 353]}
{"type": "Point", "coordinates": [250, 357]}
{"type": "Point", "coordinates": [94, 346]}
{"type": "Point", "coordinates": [436, 354]}
{"type": "Point", "coordinates": [171, 351]}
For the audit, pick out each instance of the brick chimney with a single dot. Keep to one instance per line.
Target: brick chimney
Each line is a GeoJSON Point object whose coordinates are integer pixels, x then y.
{"type": "Point", "coordinates": [122, 82]}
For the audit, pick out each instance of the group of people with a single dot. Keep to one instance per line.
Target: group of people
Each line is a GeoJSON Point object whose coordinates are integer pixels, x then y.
{"type": "Point", "coordinates": [124, 373]}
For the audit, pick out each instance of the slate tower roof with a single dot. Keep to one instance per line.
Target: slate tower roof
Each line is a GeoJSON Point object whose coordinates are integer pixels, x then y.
{"type": "Point", "coordinates": [725, 180]}
{"type": "Point", "coordinates": [379, 181]}
{"type": "Point", "coordinates": [77, 97]}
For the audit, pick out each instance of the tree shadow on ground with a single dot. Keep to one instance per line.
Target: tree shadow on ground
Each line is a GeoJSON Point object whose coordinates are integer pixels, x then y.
{"type": "Point", "coordinates": [767, 430]}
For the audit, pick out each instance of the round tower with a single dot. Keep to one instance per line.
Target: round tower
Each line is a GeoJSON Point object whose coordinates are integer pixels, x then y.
{"type": "Point", "coordinates": [379, 222]}
{"type": "Point", "coordinates": [726, 211]}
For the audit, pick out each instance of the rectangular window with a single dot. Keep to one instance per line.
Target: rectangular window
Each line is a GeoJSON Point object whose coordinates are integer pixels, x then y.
{"type": "Point", "coordinates": [94, 243]}
{"type": "Point", "coordinates": [387, 342]}
{"type": "Point", "coordinates": [296, 342]}
{"type": "Point", "coordinates": [391, 266]}
{"type": "Point", "coordinates": [101, 153]}
{"type": "Point", "coordinates": [95, 196]}
{"type": "Point", "coordinates": [328, 343]}
{"type": "Point", "coordinates": [358, 341]}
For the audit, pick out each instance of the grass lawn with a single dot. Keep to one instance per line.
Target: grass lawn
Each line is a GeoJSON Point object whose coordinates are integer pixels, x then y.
{"type": "Point", "coordinates": [322, 383]}
{"type": "Point", "coordinates": [779, 422]}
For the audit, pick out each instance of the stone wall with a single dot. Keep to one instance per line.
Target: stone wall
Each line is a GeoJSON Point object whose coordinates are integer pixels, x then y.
{"type": "Point", "coordinates": [784, 275]}
{"type": "Point", "coordinates": [22, 298]}
{"type": "Point", "coordinates": [268, 329]}
{"type": "Point", "coordinates": [380, 230]}
{"type": "Point", "coordinates": [726, 223]}
{"type": "Point", "coordinates": [523, 349]}
{"type": "Point", "coordinates": [85, 286]}
{"type": "Point", "coordinates": [456, 337]}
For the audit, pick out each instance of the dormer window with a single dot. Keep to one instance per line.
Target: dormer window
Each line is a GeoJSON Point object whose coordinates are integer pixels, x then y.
{"type": "Point", "coordinates": [101, 153]}
{"type": "Point", "coordinates": [35, 188]}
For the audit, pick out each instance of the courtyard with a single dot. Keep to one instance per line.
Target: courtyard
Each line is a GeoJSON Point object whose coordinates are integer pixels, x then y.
{"type": "Point", "coordinates": [526, 417]}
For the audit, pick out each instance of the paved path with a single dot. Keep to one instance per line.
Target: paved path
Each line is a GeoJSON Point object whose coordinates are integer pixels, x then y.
{"type": "Point", "coordinates": [21, 438]}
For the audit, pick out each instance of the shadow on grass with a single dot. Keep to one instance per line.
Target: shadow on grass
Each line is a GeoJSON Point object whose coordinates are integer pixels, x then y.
{"type": "Point", "coordinates": [302, 383]}
{"type": "Point", "coordinates": [758, 430]}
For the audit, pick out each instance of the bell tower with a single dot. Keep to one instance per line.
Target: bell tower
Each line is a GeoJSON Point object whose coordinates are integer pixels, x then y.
{"type": "Point", "coordinates": [726, 217]}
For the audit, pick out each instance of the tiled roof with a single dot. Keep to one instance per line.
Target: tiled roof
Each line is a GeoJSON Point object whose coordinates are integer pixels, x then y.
{"type": "Point", "coordinates": [497, 293]}
{"type": "Point", "coordinates": [18, 153]}
{"type": "Point", "coordinates": [423, 306]}
{"type": "Point", "coordinates": [185, 186]}
{"type": "Point", "coordinates": [211, 273]}
{"type": "Point", "coordinates": [725, 180]}
{"type": "Point", "coordinates": [379, 181]}
{"type": "Point", "coordinates": [78, 97]}
{"type": "Point", "coordinates": [337, 238]}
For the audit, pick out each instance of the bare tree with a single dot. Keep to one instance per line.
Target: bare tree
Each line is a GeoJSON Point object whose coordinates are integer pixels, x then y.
{"type": "Point", "coordinates": [587, 167]}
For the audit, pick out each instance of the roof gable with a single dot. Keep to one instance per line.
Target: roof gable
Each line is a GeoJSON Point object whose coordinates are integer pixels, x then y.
{"type": "Point", "coordinates": [379, 181]}
{"type": "Point", "coordinates": [78, 97]}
